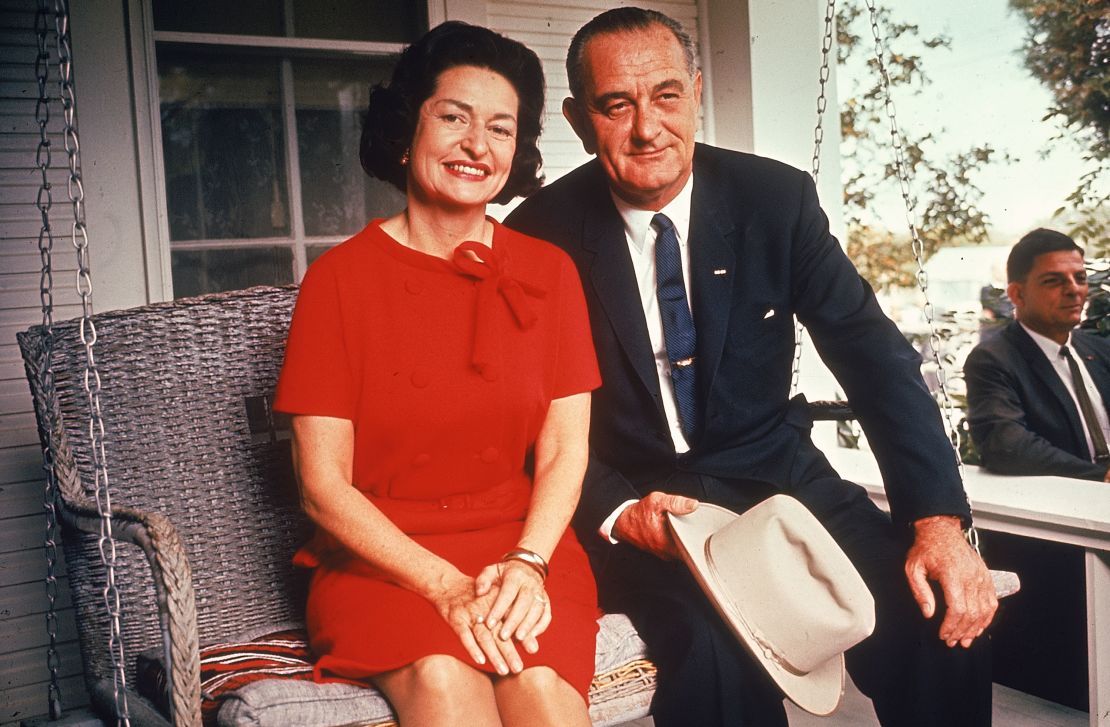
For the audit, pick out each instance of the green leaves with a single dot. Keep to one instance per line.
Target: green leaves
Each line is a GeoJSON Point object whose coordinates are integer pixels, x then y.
{"type": "Point", "coordinates": [947, 208]}
{"type": "Point", "coordinates": [1067, 48]}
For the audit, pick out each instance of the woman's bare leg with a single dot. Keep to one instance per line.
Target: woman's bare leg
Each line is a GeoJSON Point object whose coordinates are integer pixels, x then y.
{"type": "Point", "coordinates": [538, 696]}
{"type": "Point", "coordinates": [440, 690]}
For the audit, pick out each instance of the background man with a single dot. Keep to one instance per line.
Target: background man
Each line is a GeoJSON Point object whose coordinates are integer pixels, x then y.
{"type": "Point", "coordinates": [1035, 411]}
{"type": "Point", "coordinates": [691, 313]}
{"type": "Point", "coordinates": [1029, 414]}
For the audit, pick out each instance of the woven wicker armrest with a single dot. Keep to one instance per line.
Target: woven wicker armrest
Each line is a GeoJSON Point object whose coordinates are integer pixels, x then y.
{"type": "Point", "coordinates": [173, 587]}
{"type": "Point", "coordinates": [152, 532]}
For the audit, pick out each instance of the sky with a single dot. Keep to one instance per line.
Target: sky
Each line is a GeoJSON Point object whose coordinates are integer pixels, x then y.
{"type": "Point", "coordinates": [981, 93]}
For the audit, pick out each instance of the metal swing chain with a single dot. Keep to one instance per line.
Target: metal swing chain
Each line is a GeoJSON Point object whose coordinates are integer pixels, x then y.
{"type": "Point", "coordinates": [818, 138]}
{"type": "Point", "coordinates": [918, 248]}
{"type": "Point", "coordinates": [79, 237]}
{"type": "Point", "coordinates": [43, 202]}
{"type": "Point", "coordinates": [823, 82]}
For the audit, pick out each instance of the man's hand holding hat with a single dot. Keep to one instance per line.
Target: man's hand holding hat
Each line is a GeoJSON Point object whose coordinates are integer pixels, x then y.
{"type": "Point", "coordinates": [644, 523]}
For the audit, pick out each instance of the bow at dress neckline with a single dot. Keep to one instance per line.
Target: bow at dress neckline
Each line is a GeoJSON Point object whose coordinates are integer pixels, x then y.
{"type": "Point", "coordinates": [489, 267]}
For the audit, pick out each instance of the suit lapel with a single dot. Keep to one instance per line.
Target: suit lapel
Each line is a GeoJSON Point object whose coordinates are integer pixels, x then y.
{"type": "Point", "coordinates": [614, 283]}
{"type": "Point", "coordinates": [1040, 366]}
{"type": "Point", "coordinates": [711, 240]}
{"type": "Point", "coordinates": [712, 272]}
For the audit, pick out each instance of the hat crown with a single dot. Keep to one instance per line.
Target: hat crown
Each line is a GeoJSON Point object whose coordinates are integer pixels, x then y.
{"type": "Point", "coordinates": [785, 589]}
{"type": "Point", "coordinates": [790, 584]}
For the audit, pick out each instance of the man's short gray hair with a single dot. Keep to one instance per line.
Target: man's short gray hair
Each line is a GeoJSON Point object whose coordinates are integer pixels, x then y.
{"type": "Point", "coordinates": [622, 20]}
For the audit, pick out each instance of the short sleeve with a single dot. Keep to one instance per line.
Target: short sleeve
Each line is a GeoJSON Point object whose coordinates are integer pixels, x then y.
{"type": "Point", "coordinates": [316, 377]}
{"type": "Point", "coordinates": [575, 361]}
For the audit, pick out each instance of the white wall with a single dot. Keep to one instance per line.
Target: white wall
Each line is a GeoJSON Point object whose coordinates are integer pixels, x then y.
{"type": "Point", "coordinates": [123, 275]}
{"type": "Point", "coordinates": [766, 102]}
{"type": "Point", "coordinates": [785, 55]}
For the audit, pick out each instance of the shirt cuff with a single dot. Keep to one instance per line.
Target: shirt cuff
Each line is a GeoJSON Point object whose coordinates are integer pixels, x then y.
{"type": "Point", "coordinates": [606, 529]}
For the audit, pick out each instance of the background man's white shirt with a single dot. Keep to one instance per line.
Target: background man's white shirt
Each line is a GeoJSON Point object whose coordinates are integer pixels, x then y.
{"type": "Point", "coordinates": [1051, 350]}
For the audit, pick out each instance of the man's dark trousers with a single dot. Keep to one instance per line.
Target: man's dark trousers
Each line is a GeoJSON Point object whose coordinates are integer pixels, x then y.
{"type": "Point", "coordinates": [705, 677]}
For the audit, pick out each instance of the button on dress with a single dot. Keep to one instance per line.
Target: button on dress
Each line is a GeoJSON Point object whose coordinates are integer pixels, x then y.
{"type": "Point", "coordinates": [447, 369]}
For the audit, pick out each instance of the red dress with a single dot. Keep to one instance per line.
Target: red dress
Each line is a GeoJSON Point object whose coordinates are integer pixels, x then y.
{"type": "Point", "coordinates": [447, 369]}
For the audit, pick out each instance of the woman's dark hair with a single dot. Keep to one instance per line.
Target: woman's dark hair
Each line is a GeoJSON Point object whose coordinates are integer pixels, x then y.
{"type": "Point", "coordinates": [394, 109]}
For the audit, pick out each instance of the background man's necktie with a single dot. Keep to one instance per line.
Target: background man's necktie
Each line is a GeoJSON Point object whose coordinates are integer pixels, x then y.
{"type": "Point", "coordinates": [1102, 454]}
{"type": "Point", "coordinates": [679, 335]}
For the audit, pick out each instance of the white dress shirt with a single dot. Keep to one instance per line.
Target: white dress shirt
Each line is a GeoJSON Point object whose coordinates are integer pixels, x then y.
{"type": "Point", "coordinates": [640, 237]}
{"type": "Point", "coordinates": [1051, 351]}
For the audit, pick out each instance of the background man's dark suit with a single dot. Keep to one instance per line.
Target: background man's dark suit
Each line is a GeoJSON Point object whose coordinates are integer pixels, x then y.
{"type": "Point", "coordinates": [1024, 422]}
{"type": "Point", "coordinates": [760, 251]}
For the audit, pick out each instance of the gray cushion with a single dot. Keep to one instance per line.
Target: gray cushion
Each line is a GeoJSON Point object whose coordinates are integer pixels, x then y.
{"type": "Point", "coordinates": [622, 691]}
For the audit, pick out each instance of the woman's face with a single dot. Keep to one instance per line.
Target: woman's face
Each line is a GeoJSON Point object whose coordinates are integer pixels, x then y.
{"type": "Point", "coordinates": [465, 139]}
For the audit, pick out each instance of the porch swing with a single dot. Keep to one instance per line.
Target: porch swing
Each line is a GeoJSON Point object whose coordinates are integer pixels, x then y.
{"type": "Point", "coordinates": [205, 491]}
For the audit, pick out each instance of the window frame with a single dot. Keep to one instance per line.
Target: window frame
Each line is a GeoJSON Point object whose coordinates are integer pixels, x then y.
{"type": "Point", "coordinates": [145, 39]}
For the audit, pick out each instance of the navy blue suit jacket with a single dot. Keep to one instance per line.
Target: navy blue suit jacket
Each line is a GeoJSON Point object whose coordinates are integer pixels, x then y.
{"type": "Point", "coordinates": [1023, 420]}
{"type": "Point", "coordinates": [760, 251]}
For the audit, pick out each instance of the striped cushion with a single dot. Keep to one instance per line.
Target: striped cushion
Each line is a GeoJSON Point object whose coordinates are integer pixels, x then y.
{"type": "Point", "coordinates": [227, 667]}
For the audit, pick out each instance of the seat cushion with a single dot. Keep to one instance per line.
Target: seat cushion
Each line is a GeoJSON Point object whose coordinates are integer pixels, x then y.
{"type": "Point", "coordinates": [267, 681]}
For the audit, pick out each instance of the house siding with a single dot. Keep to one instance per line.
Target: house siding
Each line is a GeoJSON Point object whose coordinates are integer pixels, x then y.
{"type": "Point", "coordinates": [23, 635]}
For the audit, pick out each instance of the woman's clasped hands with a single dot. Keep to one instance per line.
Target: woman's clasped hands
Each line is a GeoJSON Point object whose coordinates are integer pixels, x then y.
{"type": "Point", "coordinates": [521, 609]}
{"type": "Point", "coordinates": [505, 604]}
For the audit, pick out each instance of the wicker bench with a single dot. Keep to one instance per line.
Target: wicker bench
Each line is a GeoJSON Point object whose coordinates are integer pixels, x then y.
{"type": "Point", "coordinates": [202, 483]}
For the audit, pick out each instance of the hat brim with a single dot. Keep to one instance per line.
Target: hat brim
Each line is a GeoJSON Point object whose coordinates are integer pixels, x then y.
{"type": "Point", "coordinates": [817, 691]}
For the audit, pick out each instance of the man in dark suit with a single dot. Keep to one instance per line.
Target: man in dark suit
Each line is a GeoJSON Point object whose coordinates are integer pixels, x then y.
{"type": "Point", "coordinates": [1032, 411]}
{"type": "Point", "coordinates": [1027, 414]}
{"type": "Point", "coordinates": [694, 402]}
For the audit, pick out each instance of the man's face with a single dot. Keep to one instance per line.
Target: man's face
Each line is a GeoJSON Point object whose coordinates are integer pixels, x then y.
{"type": "Point", "coordinates": [639, 114]}
{"type": "Point", "coordinates": [1050, 300]}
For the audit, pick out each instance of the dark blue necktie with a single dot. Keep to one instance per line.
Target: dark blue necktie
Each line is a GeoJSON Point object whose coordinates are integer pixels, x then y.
{"type": "Point", "coordinates": [679, 335]}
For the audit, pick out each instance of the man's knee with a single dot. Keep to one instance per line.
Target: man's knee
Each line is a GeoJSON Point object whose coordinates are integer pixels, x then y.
{"type": "Point", "coordinates": [685, 629]}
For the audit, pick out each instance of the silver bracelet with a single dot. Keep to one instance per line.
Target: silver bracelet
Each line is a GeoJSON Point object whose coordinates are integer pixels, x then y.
{"type": "Point", "coordinates": [529, 558]}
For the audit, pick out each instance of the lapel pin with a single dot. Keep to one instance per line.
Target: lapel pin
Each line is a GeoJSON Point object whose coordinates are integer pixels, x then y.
{"type": "Point", "coordinates": [720, 271]}
{"type": "Point", "coordinates": [768, 314]}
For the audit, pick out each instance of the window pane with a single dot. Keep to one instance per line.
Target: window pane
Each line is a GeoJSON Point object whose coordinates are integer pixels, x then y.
{"type": "Point", "coordinates": [210, 271]}
{"type": "Point", "coordinates": [337, 196]}
{"type": "Point", "coordinates": [311, 252]}
{"type": "Point", "coordinates": [242, 17]}
{"type": "Point", "coordinates": [222, 141]}
{"type": "Point", "coordinates": [398, 21]}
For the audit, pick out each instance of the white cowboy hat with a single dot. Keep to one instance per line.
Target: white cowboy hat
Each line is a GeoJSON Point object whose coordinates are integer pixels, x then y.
{"type": "Point", "coordinates": [785, 588]}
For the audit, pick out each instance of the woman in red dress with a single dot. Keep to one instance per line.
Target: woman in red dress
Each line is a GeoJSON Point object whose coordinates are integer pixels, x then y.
{"type": "Point", "coordinates": [438, 369]}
